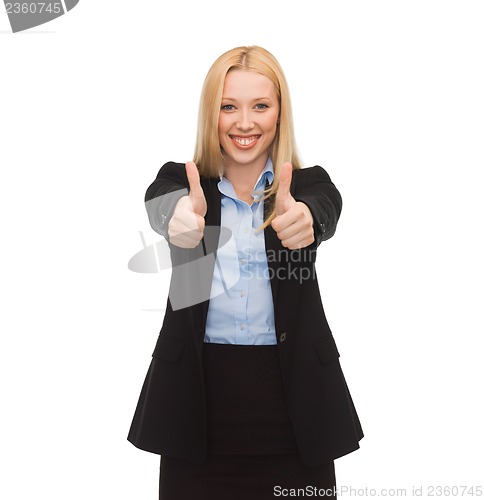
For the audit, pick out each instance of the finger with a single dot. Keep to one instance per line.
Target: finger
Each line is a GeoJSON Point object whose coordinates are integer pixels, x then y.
{"type": "Point", "coordinates": [193, 177]}
{"type": "Point", "coordinates": [285, 220]}
{"type": "Point", "coordinates": [185, 236]}
{"type": "Point", "coordinates": [187, 220]}
{"type": "Point", "coordinates": [194, 223]}
{"type": "Point", "coordinates": [186, 240]}
{"type": "Point", "coordinates": [184, 216]}
{"type": "Point", "coordinates": [196, 192]}
{"type": "Point", "coordinates": [183, 244]}
{"type": "Point", "coordinates": [283, 192]}
{"type": "Point", "coordinates": [286, 231]}
{"type": "Point", "coordinates": [290, 216]}
{"type": "Point", "coordinates": [296, 242]}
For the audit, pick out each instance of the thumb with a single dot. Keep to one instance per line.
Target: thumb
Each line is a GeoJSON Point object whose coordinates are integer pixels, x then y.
{"type": "Point", "coordinates": [283, 192]}
{"type": "Point", "coordinates": [196, 192]}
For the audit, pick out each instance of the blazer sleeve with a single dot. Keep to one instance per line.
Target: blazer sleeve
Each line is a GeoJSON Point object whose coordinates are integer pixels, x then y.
{"type": "Point", "coordinates": [317, 191]}
{"type": "Point", "coordinates": [163, 194]}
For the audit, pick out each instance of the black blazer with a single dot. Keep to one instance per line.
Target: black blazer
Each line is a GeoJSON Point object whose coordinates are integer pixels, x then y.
{"type": "Point", "coordinates": [170, 417]}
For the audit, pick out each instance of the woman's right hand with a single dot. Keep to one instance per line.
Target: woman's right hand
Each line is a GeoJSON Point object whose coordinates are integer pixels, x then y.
{"type": "Point", "coordinates": [186, 226]}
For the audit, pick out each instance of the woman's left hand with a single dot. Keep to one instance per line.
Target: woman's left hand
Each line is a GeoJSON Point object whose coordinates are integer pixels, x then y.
{"type": "Point", "coordinates": [293, 222]}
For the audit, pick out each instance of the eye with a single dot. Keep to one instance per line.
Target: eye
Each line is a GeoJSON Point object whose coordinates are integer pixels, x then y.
{"type": "Point", "coordinates": [227, 107]}
{"type": "Point", "coordinates": [261, 106]}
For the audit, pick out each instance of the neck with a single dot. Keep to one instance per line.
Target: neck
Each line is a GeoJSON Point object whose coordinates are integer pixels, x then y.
{"type": "Point", "coordinates": [244, 177]}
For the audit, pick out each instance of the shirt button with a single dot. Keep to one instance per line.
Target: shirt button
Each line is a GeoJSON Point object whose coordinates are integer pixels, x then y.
{"type": "Point", "coordinates": [242, 293]}
{"type": "Point", "coordinates": [246, 229]}
{"type": "Point", "coordinates": [242, 326]}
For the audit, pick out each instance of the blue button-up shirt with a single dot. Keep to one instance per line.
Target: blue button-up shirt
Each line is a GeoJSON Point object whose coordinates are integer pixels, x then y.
{"type": "Point", "coordinates": [241, 309]}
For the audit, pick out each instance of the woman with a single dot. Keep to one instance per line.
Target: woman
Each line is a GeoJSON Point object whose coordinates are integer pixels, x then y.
{"type": "Point", "coordinates": [244, 397]}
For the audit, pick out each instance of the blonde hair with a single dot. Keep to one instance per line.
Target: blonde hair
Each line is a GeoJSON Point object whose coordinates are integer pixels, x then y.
{"type": "Point", "coordinates": [208, 156]}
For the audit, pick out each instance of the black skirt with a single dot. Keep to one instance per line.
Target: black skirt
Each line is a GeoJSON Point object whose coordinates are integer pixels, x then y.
{"type": "Point", "coordinates": [252, 451]}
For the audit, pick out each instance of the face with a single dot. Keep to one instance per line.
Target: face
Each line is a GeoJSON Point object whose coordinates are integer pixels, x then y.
{"type": "Point", "coordinates": [248, 118]}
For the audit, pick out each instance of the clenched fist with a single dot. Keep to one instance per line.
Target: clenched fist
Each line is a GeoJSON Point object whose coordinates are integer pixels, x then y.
{"type": "Point", "coordinates": [186, 226]}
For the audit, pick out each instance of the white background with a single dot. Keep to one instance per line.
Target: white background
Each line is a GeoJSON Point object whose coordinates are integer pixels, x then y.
{"type": "Point", "coordinates": [387, 97]}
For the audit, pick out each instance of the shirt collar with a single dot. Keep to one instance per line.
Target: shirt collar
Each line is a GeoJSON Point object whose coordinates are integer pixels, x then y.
{"type": "Point", "coordinates": [267, 173]}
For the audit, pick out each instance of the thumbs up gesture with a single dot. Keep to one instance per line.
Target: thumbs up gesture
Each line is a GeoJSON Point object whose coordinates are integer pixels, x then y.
{"type": "Point", "coordinates": [293, 222]}
{"type": "Point", "coordinates": [187, 224]}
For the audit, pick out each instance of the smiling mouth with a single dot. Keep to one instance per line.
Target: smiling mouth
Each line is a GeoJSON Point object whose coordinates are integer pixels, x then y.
{"type": "Point", "coordinates": [246, 142]}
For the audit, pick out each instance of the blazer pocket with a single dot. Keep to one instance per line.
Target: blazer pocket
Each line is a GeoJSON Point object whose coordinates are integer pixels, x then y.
{"type": "Point", "coordinates": [326, 350]}
{"type": "Point", "coordinates": [168, 349]}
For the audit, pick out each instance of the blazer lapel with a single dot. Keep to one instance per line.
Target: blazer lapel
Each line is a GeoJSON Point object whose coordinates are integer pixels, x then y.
{"type": "Point", "coordinates": [272, 244]}
{"type": "Point", "coordinates": [211, 234]}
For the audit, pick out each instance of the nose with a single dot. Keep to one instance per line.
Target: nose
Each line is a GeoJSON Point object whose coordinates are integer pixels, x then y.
{"type": "Point", "coordinates": [244, 122]}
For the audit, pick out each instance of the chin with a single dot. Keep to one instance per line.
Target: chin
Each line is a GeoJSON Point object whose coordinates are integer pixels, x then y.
{"type": "Point", "coordinates": [241, 157]}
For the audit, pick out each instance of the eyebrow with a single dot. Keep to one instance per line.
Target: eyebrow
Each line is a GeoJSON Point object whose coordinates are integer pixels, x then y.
{"type": "Point", "coordinates": [256, 99]}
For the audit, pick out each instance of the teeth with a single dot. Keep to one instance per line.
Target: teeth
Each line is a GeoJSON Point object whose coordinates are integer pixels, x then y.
{"type": "Point", "coordinates": [244, 141]}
